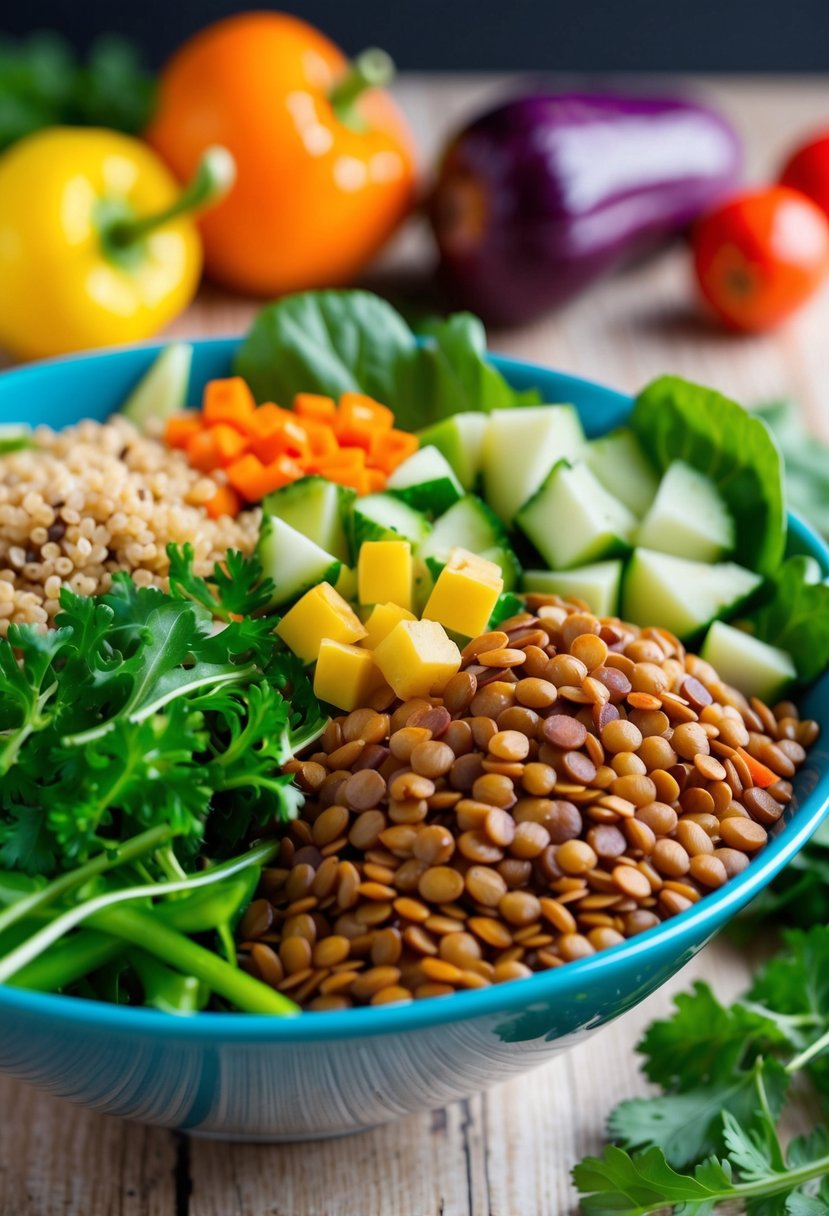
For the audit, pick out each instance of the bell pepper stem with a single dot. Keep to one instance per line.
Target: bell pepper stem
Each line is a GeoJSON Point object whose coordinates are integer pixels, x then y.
{"type": "Point", "coordinates": [214, 176]}
{"type": "Point", "coordinates": [370, 69]}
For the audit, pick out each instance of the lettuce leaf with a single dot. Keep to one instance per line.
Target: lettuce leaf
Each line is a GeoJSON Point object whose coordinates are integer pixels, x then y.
{"type": "Point", "coordinates": [675, 419]}
{"type": "Point", "coordinates": [795, 617]}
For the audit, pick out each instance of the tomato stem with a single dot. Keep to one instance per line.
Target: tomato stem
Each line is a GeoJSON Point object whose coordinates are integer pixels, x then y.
{"type": "Point", "coordinates": [214, 176]}
{"type": "Point", "coordinates": [370, 69]}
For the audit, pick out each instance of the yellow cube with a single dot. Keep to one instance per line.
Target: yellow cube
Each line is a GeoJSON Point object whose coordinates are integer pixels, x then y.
{"type": "Point", "coordinates": [417, 658]}
{"type": "Point", "coordinates": [320, 613]}
{"type": "Point", "coordinates": [384, 572]}
{"type": "Point", "coordinates": [345, 675]}
{"type": "Point", "coordinates": [465, 593]}
{"type": "Point", "coordinates": [381, 620]}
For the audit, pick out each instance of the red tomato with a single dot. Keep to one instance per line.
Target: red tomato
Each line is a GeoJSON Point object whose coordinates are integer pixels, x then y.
{"type": "Point", "coordinates": [807, 170]}
{"type": "Point", "coordinates": [760, 256]}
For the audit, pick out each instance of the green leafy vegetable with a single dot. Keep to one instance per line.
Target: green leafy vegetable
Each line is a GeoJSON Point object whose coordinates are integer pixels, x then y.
{"type": "Point", "coordinates": [677, 420]}
{"type": "Point", "coordinates": [42, 84]}
{"type": "Point", "coordinates": [725, 1077]}
{"type": "Point", "coordinates": [334, 342]}
{"type": "Point", "coordinates": [794, 615]}
{"type": "Point", "coordinates": [807, 463]}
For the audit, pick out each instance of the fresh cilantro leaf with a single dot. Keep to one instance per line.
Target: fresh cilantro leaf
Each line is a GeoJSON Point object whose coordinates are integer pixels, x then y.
{"type": "Point", "coordinates": [617, 1184]}
{"type": "Point", "coordinates": [795, 982]}
{"type": "Point", "coordinates": [236, 589]}
{"type": "Point", "coordinates": [25, 842]}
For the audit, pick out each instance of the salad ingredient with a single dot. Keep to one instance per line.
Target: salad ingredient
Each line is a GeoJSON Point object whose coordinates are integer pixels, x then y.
{"type": "Point", "coordinates": [795, 617]}
{"type": "Point", "coordinates": [384, 573]}
{"type": "Point", "coordinates": [461, 834]}
{"type": "Point", "coordinates": [97, 243]}
{"type": "Point", "coordinates": [597, 584]}
{"type": "Point", "coordinates": [320, 613]}
{"type": "Point", "coordinates": [759, 257]}
{"type": "Point", "coordinates": [427, 481]}
{"type": "Point", "coordinates": [385, 517]}
{"type": "Point", "coordinates": [461, 440]}
{"type": "Point", "coordinates": [572, 520]}
{"type": "Point", "coordinates": [416, 657]}
{"type": "Point", "coordinates": [807, 170]}
{"type": "Point", "coordinates": [335, 342]}
{"type": "Point", "coordinates": [680, 595]}
{"type": "Point", "coordinates": [469, 523]}
{"type": "Point", "coordinates": [619, 463]}
{"type": "Point", "coordinates": [161, 393]}
{"type": "Point", "coordinates": [317, 508]}
{"type": "Point", "coordinates": [381, 620]}
{"type": "Point", "coordinates": [94, 499]}
{"type": "Point", "coordinates": [292, 110]}
{"type": "Point", "coordinates": [542, 195]}
{"type": "Point", "coordinates": [726, 1074]}
{"type": "Point", "coordinates": [344, 675]}
{"type": "Point", "coordinates": [465, 593]}
{"type": "Point", "coordinates": [757, 669]}
{"type": "Point", "coordinates": [520, 448]}
{"type": "Point", "coordinates": [42, 84]}
{"type": "Point", "coordinates": [806, 462]}
{"type": "Point", "coordinates": [675, 419]}
{"type": "Point", "coordinates": [687, 517]}
{"type": "Point", "coordinates": [292, 561]}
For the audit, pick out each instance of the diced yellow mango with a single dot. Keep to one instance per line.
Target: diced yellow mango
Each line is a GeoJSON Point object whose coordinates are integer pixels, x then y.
{"type": "Point", "coordinates": [381, 620]}
{"type": "Point", "coordinates": [346, 583]}
{"type": "Point", "coordinates": [345, 675]}
{"type": "Point", "coordinates": [465, 593]}
{"type": "Point", "coordinates": [320, 613]}
{"type": "Point", "coordinates": [384, 572]}
{"type": "Point", "coordinates": [417, 658]}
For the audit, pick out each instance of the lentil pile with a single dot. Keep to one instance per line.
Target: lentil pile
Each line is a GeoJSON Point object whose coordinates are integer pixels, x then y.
{"type": "Point", "coordinates": [579, 781]}
{"type": "Point", "coordinates": [94, 498]}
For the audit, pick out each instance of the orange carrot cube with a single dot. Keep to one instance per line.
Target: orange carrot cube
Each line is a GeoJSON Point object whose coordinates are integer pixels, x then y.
{"type": "Point", "coordinates": [224, 502]}
{"type": "Point", "coordinates": [230, 444]}
{"type": "Point", "coordinates": [229, 401]}
{"type": "Point", "coordinates": [391, 448]}
{"type": "Point", "coordinates": [202, 451]}
{"type": "Point", "coordinates": [314, 405]}
{"type": "Point", "coordinates": [179, 429]}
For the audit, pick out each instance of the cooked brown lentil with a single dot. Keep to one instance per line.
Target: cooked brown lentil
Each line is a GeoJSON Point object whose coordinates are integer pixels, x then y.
{"type": "Point", "coordinates": [522, 821]}
{"type": "Point", "coordinates": [96, 498]}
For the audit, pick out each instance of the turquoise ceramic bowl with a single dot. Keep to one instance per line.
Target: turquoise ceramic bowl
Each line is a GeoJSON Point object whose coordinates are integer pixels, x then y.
{"type": "Point", "coordinates": [323, 1074]}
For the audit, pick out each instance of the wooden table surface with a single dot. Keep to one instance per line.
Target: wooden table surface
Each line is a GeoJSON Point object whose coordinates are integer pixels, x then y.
{"type": "Point", "coordinates": [507, 1152]}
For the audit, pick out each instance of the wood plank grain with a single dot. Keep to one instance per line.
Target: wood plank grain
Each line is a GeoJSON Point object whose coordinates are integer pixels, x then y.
{"type": "Point", "coordinates": [509, 1152]}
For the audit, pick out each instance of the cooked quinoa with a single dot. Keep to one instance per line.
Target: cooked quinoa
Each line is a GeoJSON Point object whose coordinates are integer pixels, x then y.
{"type": "Point", "coordinates": [96, 498]}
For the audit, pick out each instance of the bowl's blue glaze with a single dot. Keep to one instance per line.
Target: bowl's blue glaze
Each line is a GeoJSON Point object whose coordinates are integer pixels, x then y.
{"type": "Point", "coordinates": [327, 1073]}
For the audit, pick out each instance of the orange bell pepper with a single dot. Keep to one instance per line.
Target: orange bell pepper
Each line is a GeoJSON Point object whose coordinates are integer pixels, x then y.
{"type": "Point", "coordinates": [325, 162]}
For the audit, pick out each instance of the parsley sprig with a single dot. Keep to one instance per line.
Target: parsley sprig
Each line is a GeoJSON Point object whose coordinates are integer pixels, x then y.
{"type": "Point", "coordinates": [711, 1136]}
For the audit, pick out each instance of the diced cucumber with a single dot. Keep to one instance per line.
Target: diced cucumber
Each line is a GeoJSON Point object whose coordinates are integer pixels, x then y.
{"type": "Point", "coordinates": [752, 666]}
{"type": "Point", "coordinates": [469, 523]}
{"type": "Point", "coordinates": [461, 440]}
{"type": "Point", "coordinates": [624, 470]}
{"type": "Point", "coordinates": [426, 481]}
{"type": "Point", "coordinates": [681, 595]}
{"type": "Point", "coordinates": [520, 447]}
{"type": "Point", "coordinates": [572, 520]}
{"type": "Point", "coordinates": [318, 509]}
{"type": "Point", "coordinates": [294, 562]}
{"type": "Point", "coordinates": [386, 517]}
{"type": "Point", "coordinates": [162, 390]}
{"type": "Point", "coordinates": [598, 585]}
{"type": "Point", "coordinates": [688, 517]}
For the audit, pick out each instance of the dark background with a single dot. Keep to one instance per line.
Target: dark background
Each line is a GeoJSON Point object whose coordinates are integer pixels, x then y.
{"type": "Point", "coordinates": [492, 35]}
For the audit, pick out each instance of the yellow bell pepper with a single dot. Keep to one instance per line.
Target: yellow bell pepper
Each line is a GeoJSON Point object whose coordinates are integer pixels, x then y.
{"type": "Point", "coordinates": [97, 243]}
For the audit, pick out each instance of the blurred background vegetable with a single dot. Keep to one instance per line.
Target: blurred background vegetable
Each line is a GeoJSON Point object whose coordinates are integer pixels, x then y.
{"type": "Point", "coordinates": [538, 197]}
{"type": "Point", "coordinates": [807, 170]}
{"type": "Point", "coordinates": [325, 159]}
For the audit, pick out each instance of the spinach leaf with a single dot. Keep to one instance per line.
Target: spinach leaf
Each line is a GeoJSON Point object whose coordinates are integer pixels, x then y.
{"type": "Point", "coordinates": [795, 617]}
{"type": "Point", "coordinates": [807, 463]}
{"type": "Point", "coordinates": [677, 420]}
{"type": "Point", "coordinates": [337, 342]}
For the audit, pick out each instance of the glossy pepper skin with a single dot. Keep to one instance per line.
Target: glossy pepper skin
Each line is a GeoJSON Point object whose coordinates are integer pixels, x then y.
{"type": "Point", "coordinates": [759, 257]}
{"type": "Point", "coordinates": [807, 170]}
{"type": "Point", "coordinates": [64, 285]}
{"type": "Point", "coordinates": [319, 189]}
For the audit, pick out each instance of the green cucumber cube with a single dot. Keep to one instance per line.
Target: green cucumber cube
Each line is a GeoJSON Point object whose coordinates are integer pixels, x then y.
{"type": "Point", "coordinates": [162, 390]}
{"type": "Point", "coordinates": [386, 517]}
{"type": "Point", "coordinates": [688, 517]}
{"type": "Point", "coordinates": [461, 440]}
{"type": "Point", "coordinates": [426, 481]}
{"type": "Point", "coordinates": [598, 585]}
{"type": "Point", "coordinates": [520, 448]}
{"type": "Point", "coordinates": [572, 520]}
{"type": "Point", "coordinates": [752, 666]}
{"type": "Point", "coordinates": [680, 595]}
{"type": "Point", "coordinates": [318, 509]}
{"type": "Point", "coordinates": [620, 464]}
{"type": "Point", "coordinates": [295, 563]}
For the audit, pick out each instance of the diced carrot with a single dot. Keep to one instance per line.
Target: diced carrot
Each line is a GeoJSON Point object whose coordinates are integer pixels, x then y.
{"type": "Point", "coordinates": [230, 444]}
{"type": "Point", "coordinates": [321, 438]}
{"type": "Point", "coordinates": [180, 428]}
{"type": "Point", "coordinates": [202, 451]}
{"type": "Point", "coordinates": [287, 437]}
{"type": "Point", "coordinates": [359, 418]}
{"type": "Point", "coordinates": [391, 448]}
{"type": "Point", "coordinates": [356, 479]}
{"type": "Point", "coordinates": [314, 405]}
{"type": "Point", "coordinates": [282, 471]}
{"type": "Point", "coordinates": [760, 774]}
{"type": "Point", "coordinates": [345, 458]}
{"type": "Point", "coordinates": [248, 477]}
{"type": "Point", "coordinates": [224, 502]}
{"type": "Point", "coordinates": [265, 420]}
{"type": "Point", "coordinates": [376, 480]}
{"type": "Point", "coordinates": [229, 401]}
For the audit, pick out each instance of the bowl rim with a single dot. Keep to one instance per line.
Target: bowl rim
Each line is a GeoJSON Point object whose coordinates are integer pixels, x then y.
{"type": "Point", "coordinates": [681, 933]}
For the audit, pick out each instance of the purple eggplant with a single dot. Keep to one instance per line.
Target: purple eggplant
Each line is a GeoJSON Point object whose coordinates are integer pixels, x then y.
{"type": "Point", "coordinates": [542, 195]}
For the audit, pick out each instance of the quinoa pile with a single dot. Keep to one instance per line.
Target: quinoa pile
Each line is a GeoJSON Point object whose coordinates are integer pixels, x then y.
{"type": "Point", "coordinates": [95, 498]}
